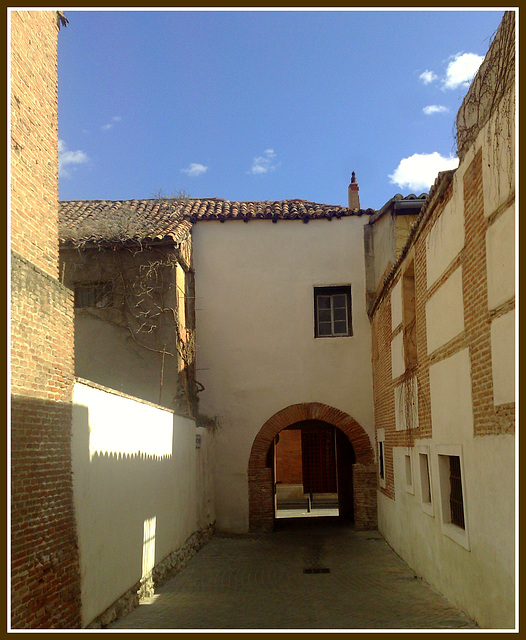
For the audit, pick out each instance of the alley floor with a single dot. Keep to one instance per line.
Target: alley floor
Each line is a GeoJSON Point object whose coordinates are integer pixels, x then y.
{"type": "Point", "coordinates": [308, 574]}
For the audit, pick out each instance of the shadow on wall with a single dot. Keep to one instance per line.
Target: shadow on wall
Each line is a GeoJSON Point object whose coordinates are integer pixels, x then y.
{"type": "Point", "coordinates": [45, 580]}
{"type": "Point", "coordinates": [133, 508]}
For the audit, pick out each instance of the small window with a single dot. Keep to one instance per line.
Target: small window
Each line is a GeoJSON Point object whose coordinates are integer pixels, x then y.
{"type": "Point", "coordinates": [456, 501]}
{"type": "Point", "coordinates": [98, 295]}
{"type": "Point", "coordinates": [408, 474]}
{"type": "Point", "coordinates": [424, 478]}
{"type": "Point", "coordinates": [452, 494]}
{"type": "Point", "coordinates": [332, 311]}
{"type": "Point", "coordinates": [380, 435]}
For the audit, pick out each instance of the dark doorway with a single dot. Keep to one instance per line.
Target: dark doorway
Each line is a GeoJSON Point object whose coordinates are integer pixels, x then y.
{"type": "Point", "coordinates": [313, 471]}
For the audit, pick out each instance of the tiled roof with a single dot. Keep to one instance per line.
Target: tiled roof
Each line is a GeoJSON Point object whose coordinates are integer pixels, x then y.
{"type": "Point", "coordinates": [172, 219]}
{"type": "Point", "coordinates": [398, 200]}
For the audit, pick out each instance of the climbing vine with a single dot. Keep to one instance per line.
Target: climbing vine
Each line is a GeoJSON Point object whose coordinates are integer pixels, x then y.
{"type": "Point", "coordinates": [142, 293]}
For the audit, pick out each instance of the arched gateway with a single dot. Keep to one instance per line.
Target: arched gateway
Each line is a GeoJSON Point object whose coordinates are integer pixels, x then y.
{"type": "Point", "coordinates": [260, 480]}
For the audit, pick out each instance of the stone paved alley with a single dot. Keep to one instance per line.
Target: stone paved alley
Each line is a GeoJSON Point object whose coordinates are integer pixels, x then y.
{"type": "Point", "coordinates": [280, 581]}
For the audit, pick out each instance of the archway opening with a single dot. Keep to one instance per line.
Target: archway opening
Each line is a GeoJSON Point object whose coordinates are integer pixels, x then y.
{"type": "Point", "coordinates": [313, 471]}
{"type": "Point", "coordinates": [356, 498]}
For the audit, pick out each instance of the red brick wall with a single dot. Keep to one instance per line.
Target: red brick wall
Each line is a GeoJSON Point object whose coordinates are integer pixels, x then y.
{"type": "Point", "coordinates": [34, 138]}
{"type": "Point", "coordinates": [289, 468]}
{"type": "Point", "coordinates": [45, 576]}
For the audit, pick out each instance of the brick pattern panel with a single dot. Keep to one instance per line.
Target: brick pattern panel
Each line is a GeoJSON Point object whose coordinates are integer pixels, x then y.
{"type": "Point", "coordinates": [261, 506]}
{"type": "Point", "coordinates": [476, 336]}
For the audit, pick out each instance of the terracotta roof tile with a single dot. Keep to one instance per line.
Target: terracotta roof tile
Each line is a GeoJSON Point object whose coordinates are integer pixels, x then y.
{"type": "Point", "coordinates": [170, 219]}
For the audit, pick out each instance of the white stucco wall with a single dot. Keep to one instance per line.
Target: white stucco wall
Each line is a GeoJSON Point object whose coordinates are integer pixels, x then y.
{"type": "Point", "coordinates": [396, 305]}
{"type": "Point", "coordinates": [255, 324]}
{"type": "Point", "coordinates": [397, 355]}
{"type": "Point", "coordinates": [133, 463]}
{"type": "Point", "coordinates": [500, 256]}
{"type": "Point", "coordinates": [479, 580]}
{"type": "Point", "coordinates": [503, 358]}
{"type": "Point", "coordinates": [445, 312]}
{"type": "Point", "coordinates": [451, 401]}
{"type": "Point", "coordinates": [446, 238]}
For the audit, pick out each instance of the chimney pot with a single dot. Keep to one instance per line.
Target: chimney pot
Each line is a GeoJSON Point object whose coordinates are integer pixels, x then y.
{"type": "Point", "coordinates": [354, 198]}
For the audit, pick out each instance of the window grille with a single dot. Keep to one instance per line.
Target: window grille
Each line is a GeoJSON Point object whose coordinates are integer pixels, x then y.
{"type": "Point", "coordinates": [456, 500]}
{"type": "Point", "coordinates": [98, 295]}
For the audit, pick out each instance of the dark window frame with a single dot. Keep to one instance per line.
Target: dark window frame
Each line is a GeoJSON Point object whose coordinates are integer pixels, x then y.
{"type": "Point", "coordinates": [330, 291]}
{"type": "Point", "coordinates": [93, 295]}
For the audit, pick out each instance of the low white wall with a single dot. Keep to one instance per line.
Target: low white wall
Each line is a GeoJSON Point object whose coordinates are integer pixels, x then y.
{"type": "Point", "coordinates": [141, 488]}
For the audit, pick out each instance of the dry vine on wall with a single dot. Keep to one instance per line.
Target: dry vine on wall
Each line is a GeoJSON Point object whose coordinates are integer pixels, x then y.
{"type": "Point", "coordinates": [145, 300]}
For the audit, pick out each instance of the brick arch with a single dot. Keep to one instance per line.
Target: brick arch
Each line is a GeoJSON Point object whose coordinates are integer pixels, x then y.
{"type": "Point", "coordinates": [260, 483]}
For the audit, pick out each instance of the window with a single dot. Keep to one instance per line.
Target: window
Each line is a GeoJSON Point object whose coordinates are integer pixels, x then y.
{"type": "Point", "coordinates": [409, 474]}
{"type": "Point", "coordinates": [99, 295]}
{"type": "Point", "coordinates": [332, 311]}
{"type": "Point", "coordinates": [456, 502]}
{"type": "Point", "coordinates": [452, 494]}
{"type": "Point", "coordinates": [424, 477]}
{"type": "Point", "coordinates": [380, 435]}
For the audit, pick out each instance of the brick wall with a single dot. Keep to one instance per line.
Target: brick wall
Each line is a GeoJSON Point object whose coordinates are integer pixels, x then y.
{"type": "Point", "coordinates": [45, 582]}
{"type": "Point", "coordinates": [34, 137]}
{"type": "Point", "coordinates": [289, 467]}
{"type": "Point", "coordinates": [476, 336]}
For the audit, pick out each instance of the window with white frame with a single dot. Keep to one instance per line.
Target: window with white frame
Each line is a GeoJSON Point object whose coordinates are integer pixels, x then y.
{"type": "Point", "coordinates": [409, 473]}
{"type": "Point", "coordinates": [332, 311]}
{"type": "Point", "coordinates": [425, 481]}
{"type": "Point", "coordinates": [380, 434]}
{"type": "Point", "coordinates": [452, 494]}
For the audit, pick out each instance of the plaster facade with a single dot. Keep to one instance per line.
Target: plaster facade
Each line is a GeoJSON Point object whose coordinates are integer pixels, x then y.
{"type": "Point", "coordinates": [447, 496]}
{"type": "Point", "coordinates": [257, 352]}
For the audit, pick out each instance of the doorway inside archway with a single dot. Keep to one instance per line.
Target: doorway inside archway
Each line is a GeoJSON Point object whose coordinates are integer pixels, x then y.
{"type": "Point", "coordinates": [313, 471]}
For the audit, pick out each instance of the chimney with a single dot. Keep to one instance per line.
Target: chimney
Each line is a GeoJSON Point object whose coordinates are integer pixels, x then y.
{"type": "Point", "coordinates": [354, 198]}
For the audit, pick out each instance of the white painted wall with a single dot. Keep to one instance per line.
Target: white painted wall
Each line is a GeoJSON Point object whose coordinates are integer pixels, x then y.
{"type": "Point", "coordinates": [446, 238]}
{"type": "Point", "coordinates": [480, 581]}
{"type": "Point", "coordinates": [255, 325]}
{"type": "Point", "coordinates": [475, 570]}
{"type": "Point", "coordinates": [396, 305]}
{"type": "Point", "coordinates": [503, 358]}
{"type": "Point", "coordinates": [133, 463]}
{"type": "Point", "coordinates": [445, 312]}
{"type": "Point", "coordinates": [500, 256]}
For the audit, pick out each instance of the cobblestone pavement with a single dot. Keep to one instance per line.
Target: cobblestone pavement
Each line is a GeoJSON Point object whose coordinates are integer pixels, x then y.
{"type": "Point", "coordinates": [260, 582]}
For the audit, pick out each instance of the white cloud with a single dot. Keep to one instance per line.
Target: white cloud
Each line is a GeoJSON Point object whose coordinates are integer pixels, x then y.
{"type": "Point", "coordinates": [66, 158]}
{"type": "Point", "coordinates": [461, 70]}
{"type": "Point", "coordinates": [195, 169]}
{"type": "Point", "coordinates": [264, 164]}
{"type": "Point", "coordinates": [428, 76]}
{"type": "Point", "coordinates": [420, 170]}
{"type": "Point", "coordinates": [111, 124]}
{"type": "Point", "coordinates": [434, 108]}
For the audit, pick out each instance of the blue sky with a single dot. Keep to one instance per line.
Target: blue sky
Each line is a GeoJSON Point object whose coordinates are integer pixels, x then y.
{"type": "Point", "coordinates": [262, 105]}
